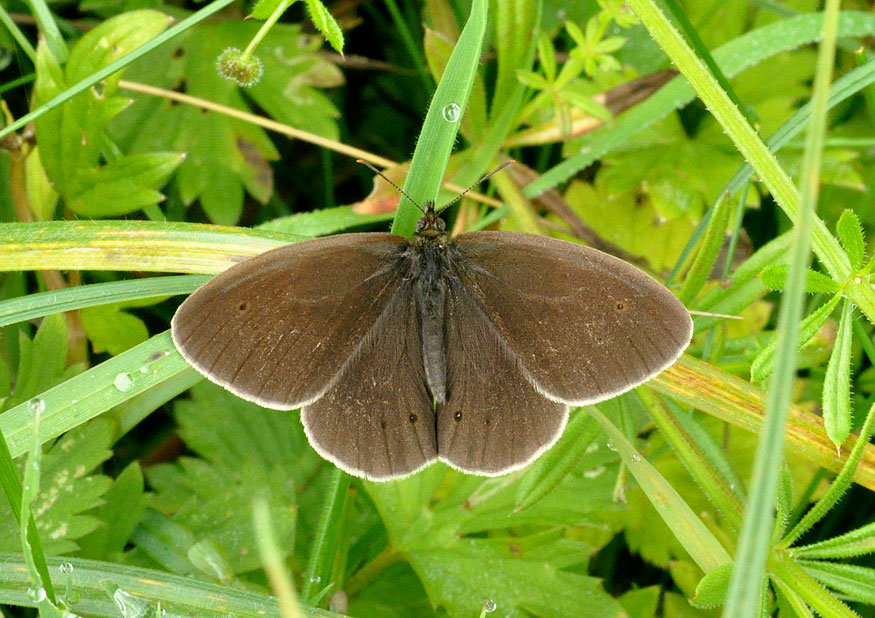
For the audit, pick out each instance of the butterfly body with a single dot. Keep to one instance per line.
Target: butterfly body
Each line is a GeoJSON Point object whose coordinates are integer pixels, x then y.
{"type": "Point", "coordinates": [402, 352]}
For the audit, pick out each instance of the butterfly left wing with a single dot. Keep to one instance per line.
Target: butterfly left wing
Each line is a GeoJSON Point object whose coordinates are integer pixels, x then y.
{"type": "Point", "coordinates": [493, 420]}
{"type": "Point", "coordinates": [585, 325]}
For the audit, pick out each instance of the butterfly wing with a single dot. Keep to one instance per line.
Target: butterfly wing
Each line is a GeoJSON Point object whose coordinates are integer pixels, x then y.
{"type": "Point", "coordinates": [493, 421]}
{"type": "Point", "coordinates": [585, 326]}
{"type": "Point", "coordinates": [277, 328]}
{"type": "Point", "coordinates": [377, 420]}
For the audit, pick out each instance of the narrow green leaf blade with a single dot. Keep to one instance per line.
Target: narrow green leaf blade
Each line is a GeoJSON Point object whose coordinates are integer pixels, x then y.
{"type": "Point", "coordinates": [851, 236]}
{"type": "Point", "coordinates": [837, 382]}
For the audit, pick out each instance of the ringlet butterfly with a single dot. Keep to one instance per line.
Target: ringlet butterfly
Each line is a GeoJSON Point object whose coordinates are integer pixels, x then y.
{"type": "Point", "coordinates": [401, 352]}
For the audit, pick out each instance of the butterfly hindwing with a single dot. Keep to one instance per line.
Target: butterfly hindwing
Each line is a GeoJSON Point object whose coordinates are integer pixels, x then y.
{"type": "Point", "coordinates": [494, 421]}
{"type": "Point", "coordinates": [377, 420]}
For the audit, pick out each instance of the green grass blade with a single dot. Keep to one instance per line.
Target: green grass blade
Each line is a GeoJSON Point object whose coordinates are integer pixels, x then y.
{"type": "Point", "coordinates": [180, 597]}
{"type": "Point", "coordinates": [69, 299]}
{"type": "Point", "coordinates": [701, 544]}
{"type": "Point", "coordinates": [130, 245]}
{"type": "Point", "coordinates": [745, 593]}
{"type": "Point", "coordinates": [91, 393]}
{"type": "Point", "coordinates": [442, 121]}
{"type": "Point", "coordinates": [325, 543]}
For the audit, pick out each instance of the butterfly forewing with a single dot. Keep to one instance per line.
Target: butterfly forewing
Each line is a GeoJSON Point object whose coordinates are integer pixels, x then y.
{"type": "Point", "coordinates": [585, 326]}
{"type": "Point", "coordinates": [377, 420]}
{"type": "Point", "coordinates": [277, 328]}
{"type": "Point", "coordinates": [494, 421]}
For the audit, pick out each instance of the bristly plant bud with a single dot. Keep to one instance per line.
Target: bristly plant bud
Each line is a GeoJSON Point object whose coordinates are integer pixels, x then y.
{"type": "Point", "coordinates": [246, 71]}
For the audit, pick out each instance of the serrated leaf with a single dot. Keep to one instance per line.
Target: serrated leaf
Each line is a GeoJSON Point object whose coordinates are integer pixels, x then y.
{"type": "Point", "coordinates": [124, 504]}
{"type": "Point", "coordinates": [851, 236]}
{"type": "Point", "coordinates": [774, 277]}
{"type": "Point", "coordinates": [712, 588]}
{"type": "Point", "coordinates": [126, 184]}
{"type": "Point", "coordinates": [246, 451]}
{"type": "Point", "coordinates": [858, 582]}
{"type": "Point", "coordinates": [857, 542]}
{"type": "Point", "coordinates": [112, 330]}
{"type": "Point", "coordinates": [71, 137]}
{"type": "Point", "coordinates": [326, 24]}
{"type": "Point", "coordinates": [837, 382]}
{"type": "Point", "coordinates": [226, 157]}
{"type": "Point", "coordinates": [67, 490]}
{"type": "Point", "coordinates": [264, 9]}
{"type": "Point", "coordinates": [41, 362]}
{"type": "Point", "coordinates": [763, 364]}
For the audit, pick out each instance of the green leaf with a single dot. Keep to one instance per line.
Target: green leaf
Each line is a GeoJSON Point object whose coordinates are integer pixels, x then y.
{"type": "Point", "coordinates": [244, 451]}
{"type": "Point", "coordinates": [326, 24]}
{"type": "Point", "coordinates": [837, 382]}
{"type": "Point", "coordinates": [708, 251]}
{"type": "Point", "coordinates": [226, 157]}
{"type": "Point", "coordinates": [112, 330]}
{"type": "Point", "coordinates": [566, 455]}
{"type": "Point", "coordinates": [775, 278]}
{"type": "Point", "coordinates": [264, 9]}
{"type": "Point", "coordinates": [858, 582]}
{"type": "Point", "coordinates": [764, 362]}
{"type": "Point", "coordinates": [857, 542]}
{"type": "Point", "coordinates": [42, 361]}
{"type": "Point", "coordinates": [323, 222]}
{"type": "Point", "coordinates": [532, 80]}
{"type": "Point", "coordinates": [712, 588]}
{"type": "Point", "coordinates": [72, 137]}
{"type": "Point", "coordinates": [547, 56]}
{"type": "Point", "coordinates": [124, 504]}
{"type": "Point", "coordinates": [851, 236]}
{"type": "Point", "coordinates": [68, 490]}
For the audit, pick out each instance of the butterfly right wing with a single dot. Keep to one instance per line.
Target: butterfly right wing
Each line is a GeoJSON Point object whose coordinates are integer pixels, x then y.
{"type": "Point", "coordinates": [277, 328]}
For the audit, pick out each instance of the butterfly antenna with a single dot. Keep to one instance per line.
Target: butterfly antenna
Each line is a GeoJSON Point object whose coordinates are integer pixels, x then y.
{"type": "Point", "coordinates": [484, 179]}
{"type": "Point", "coordinates": [384, 177]}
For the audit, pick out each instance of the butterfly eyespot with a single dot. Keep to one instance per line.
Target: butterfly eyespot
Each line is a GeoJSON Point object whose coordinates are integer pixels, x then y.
{"type": "Point", "coordinates": [413, 418]}
{"type": "Point", "coordinates": [487, 420]}
{"type": "Point", "coordinates": [457, 416]}
{"type": "Point", "coordinates": [621, 306]}
{"type": "Point", "coordinates": [382, 424]}
{"type": "Point", "coordinates": [242, 306]}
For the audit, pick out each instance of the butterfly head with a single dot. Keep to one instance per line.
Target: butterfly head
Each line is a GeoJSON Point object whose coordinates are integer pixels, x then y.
{"type": "Point", "coordinates": [430, 225]}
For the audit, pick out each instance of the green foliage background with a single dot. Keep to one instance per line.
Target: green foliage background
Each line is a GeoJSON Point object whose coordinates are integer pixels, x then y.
{"type": "Point", "coordinates": [136, 480]}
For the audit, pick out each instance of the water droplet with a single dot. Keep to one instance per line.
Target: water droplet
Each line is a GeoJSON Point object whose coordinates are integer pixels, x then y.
{"type": "Point", "coordinates": [595, 472]}
{"type": "Point", "coordinates": [144, 369]}
{"type": "Point", "coordinates": [67, 567]}
{"type": "Point", "coordinates": [611, 447]}
{"type": "Point", "coordinates": [636, 458]}
{"type": "Point", "coordinates": [123, 382]}
{"type": "Point", "coordinates": [315, 579]}
{"type": "Point", "coordinates": [131, 606]}
{"type": "Point", "coordinates": [489, 606]}
{"type": "Point", "coordinates": [74, 402]}
{"type": "Point", "coordinates": [452, 112]}
{"type": "Point", "coordinates": [37, 595]}
{"type": "Point", "coordinates": [36, 406]}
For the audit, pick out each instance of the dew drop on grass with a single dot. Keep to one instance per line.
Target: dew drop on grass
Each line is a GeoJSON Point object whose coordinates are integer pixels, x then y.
{"type": "Point", "coordinates": [123, 382]}
{"type": "Point", "coordinates": [489, 606]}
{"type": "Point", "coordinates": [36, 406]}
{"type": "Point", "coordinates": [451, 112]}
{"type": "Point", "coordinates": [37, 595]}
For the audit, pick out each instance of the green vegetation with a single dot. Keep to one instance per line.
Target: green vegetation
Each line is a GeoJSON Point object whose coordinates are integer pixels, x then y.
{"type": "Point", "coordinates": [726, 147]}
